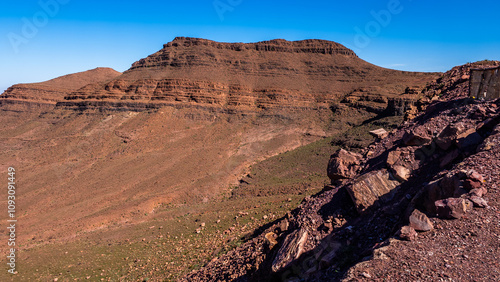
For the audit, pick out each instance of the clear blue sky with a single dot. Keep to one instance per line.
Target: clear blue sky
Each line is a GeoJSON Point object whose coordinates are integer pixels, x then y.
{"type": "Point", "coordinates": [40, 42]}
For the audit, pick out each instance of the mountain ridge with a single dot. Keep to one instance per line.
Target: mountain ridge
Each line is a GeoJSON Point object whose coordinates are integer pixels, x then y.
{"type": "Point", "coordinates": [243, 77]}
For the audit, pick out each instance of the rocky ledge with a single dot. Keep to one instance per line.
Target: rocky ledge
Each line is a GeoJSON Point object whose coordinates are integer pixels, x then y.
{"type": "Point", "coordinates": [187, 93]}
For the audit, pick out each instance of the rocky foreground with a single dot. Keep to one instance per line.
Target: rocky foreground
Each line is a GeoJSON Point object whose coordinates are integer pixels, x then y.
{"type": "Point", "coordinates": [421, 203]}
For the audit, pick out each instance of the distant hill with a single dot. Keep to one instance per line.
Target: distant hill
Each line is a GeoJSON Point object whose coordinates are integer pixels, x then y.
{"type": "Point", "coordinates": [55, 89]}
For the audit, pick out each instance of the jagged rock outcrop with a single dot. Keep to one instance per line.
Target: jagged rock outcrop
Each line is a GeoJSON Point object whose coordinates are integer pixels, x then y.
{"type": "Point", "coordinates": [398, 106]}
{"type": "Point", "coordinates": [454, 83]}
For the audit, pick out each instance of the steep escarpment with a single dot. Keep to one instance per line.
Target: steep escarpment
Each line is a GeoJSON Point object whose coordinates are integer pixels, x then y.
{"type": "Point", "coordinates": [246, 77]}
{"type": "Point", "coordinates": [421, 203]}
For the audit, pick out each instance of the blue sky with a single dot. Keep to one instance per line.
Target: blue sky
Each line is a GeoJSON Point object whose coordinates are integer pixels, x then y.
{"type": "Point", "coordinates": [40, 40]}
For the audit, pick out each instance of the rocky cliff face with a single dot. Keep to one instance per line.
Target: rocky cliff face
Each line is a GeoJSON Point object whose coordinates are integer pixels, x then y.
{"type": "Point", "coordinates": [154, 93]}
{"type": "Point", "coordinates": [243, 77]}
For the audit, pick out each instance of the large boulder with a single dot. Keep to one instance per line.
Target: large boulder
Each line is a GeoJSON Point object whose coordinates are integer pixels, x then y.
{"type": "Point", "coordinates": [369, 187]}
{"type": "Point", "coordinates": [393, 157]}
{"type": "Point", "coordinates": [478, 201]}
{"type": "Point", "coordinates": [379, 133]}
{"type": "Point", "coordinates": [401, 173]}
{"type": "Point", "coordinates": [408, 233]}
{"type": "Point", "coordinates": [468, 139]}
{"type": "Point", "coordinates": [416, 139]}
{"type": "Point", "coordinates": [449, 158]}
{"type": "Point", "coordinates": [291, 249]}
{"type": "Point", "coordinates": [449, 134]}
{"type": "Point", "coordinates": [446, 187]}
{"type": "Point", "coordinates": [343, 165]}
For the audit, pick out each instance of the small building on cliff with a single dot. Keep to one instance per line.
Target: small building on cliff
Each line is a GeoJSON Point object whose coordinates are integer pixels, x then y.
{"type": "Point", "coordinates": [485, 83]}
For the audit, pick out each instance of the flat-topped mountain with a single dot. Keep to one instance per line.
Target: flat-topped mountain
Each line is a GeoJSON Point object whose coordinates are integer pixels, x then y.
{"type": "Point", "coordinates": [248, 77]}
